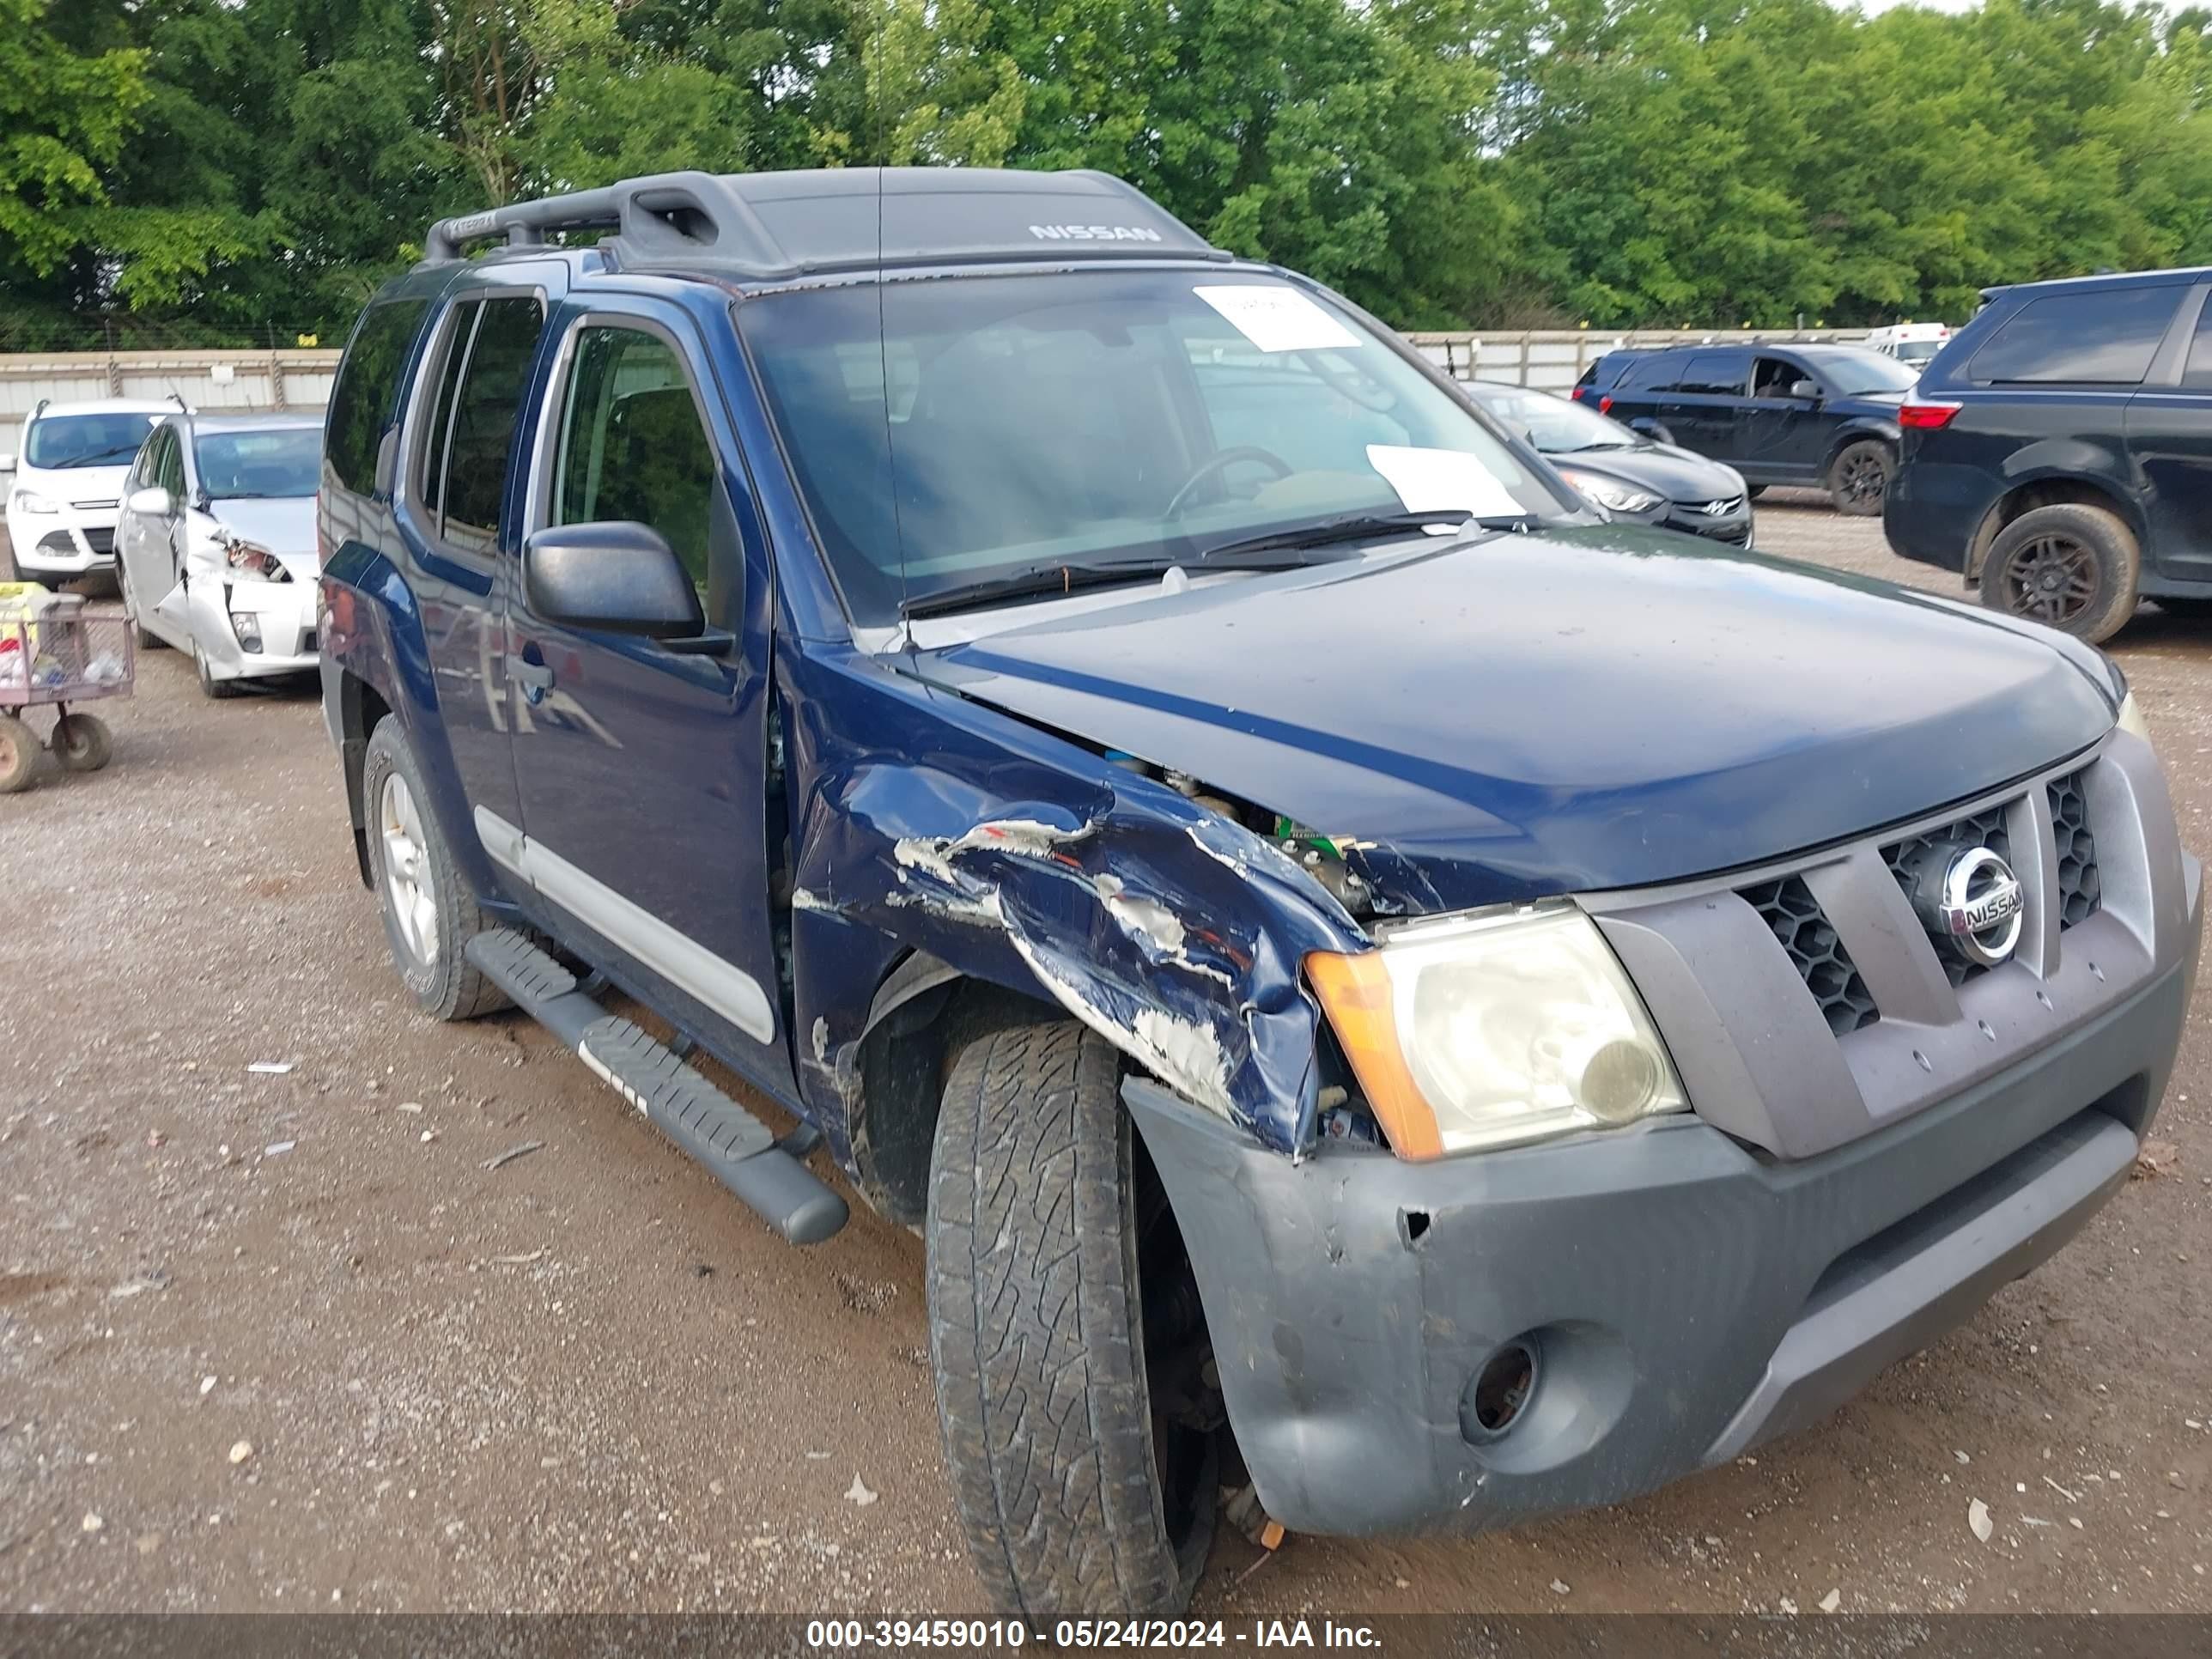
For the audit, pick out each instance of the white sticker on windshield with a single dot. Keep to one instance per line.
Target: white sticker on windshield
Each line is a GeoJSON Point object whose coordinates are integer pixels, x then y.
{"type": "Point", "coordinates": [1278, 318]}
{"type": "Point", "coordinates": [1442, 480]}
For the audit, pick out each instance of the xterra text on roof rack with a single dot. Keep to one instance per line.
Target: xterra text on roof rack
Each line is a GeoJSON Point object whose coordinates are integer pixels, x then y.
{"type": "Point", "coordinates": [1354, 962]}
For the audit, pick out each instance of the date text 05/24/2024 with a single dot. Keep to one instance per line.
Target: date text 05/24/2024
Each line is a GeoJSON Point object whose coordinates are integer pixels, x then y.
{"type": "Point", "coordinates": [986, 1634]}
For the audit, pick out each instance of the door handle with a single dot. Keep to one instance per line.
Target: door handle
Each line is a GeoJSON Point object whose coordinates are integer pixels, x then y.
{"type": "Point", "coordinates": [536, 678]}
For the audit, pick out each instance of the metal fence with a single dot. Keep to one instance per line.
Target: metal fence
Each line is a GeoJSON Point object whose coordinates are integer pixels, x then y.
{"type": "Point", "coordinates": [240, 381]}
{"type": "Point", "coordinates": [291, 377]}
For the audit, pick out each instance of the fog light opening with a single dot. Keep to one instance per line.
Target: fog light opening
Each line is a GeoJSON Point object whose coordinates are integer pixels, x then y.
{"type": "Point", "coordinates": [1503, 1387]}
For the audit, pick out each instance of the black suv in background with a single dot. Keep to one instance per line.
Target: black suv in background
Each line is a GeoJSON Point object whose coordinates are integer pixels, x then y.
{"type": "Point", "coordinates": [1824, 415]}
{"type": "Point", "coordinates": [2057, 453]}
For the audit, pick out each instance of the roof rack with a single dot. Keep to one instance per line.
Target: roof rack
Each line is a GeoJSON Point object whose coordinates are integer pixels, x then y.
{"type": "Point", "coordinates": [767, 226]}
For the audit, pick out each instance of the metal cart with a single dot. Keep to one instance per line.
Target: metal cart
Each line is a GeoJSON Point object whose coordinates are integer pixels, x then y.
{"type": "Point", "coordinates": [60, 656]}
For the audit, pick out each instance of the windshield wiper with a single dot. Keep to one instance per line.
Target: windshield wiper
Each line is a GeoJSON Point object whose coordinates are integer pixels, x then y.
{"type": "Point", "coordinates": [1353, 527]}
{"type": "Point", "coordinates": [98, 455]}
{"type": "Point", "coordinates": [1053, 576]}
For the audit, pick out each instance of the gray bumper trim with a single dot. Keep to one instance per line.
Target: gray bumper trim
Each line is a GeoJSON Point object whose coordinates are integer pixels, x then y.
{"type": "Point", "coordinates": [1924, 1288]}
{"type": "Point", "coordinates": [1687, 1296]}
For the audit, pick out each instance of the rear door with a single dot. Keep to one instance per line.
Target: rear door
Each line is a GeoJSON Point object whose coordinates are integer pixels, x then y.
{"type": "Point", "coordinates": [1700, 412]}
{"type": "Point", "coordinates": [2170, 438]}
{"type": "Point", "coordinates": [641, 763]}
{"type": "Point", "coordinates": [454, 512]}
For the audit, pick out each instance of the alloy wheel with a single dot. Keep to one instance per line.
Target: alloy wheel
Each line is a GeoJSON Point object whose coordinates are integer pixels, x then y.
{"type": "Point", "coordinates": [2053, 578]}
{"type": "Point", "coordinates": [1864, 480]}
{"type": "Point", "coordinates": [407, 877]}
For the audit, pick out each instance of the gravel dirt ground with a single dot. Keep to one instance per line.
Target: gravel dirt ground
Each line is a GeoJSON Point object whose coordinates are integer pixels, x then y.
{"type": "Point", "coordinates": [281, 1340]}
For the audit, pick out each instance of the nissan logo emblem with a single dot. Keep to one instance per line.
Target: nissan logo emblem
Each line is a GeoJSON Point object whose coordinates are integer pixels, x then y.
{"type": "Point", "coordinates": [1979, 906]}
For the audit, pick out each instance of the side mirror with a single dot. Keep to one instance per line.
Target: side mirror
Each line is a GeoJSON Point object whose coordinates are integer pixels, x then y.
{"type": "Point", "coordinates": [8, 462]}
{"type": "Point", "coordinates": [622, 578]}
{"type": "Point", "coordinates": [1809, 390]}
{"type": "Point", "coordinates": [152, 503]}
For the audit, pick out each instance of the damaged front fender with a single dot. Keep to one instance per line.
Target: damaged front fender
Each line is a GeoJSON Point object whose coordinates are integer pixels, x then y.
{"type": "Point", "coordinates": [1173, 932]}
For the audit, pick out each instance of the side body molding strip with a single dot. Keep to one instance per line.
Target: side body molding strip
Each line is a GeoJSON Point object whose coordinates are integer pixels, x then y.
{"type": "Point", "coordinates": [675, 956]}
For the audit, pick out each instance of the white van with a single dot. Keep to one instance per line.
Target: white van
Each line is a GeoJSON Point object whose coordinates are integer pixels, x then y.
{"type": "Point", "coordinates": [1910, 343]}
{"type": "Point", "coordinates": [68, 484]}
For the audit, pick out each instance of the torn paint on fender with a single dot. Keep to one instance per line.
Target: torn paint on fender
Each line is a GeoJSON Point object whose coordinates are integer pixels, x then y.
{"type": "Point", "coordinates": [1173, 932]}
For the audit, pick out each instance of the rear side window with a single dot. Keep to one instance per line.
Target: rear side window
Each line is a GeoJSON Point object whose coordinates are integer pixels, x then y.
{"type": "Point", "coordinates": [2104, 338]}
{"type": "Point", "coordinates": [479, 400]}
{"type": "Point", "coordinates": [2198, 374]}
{"type": "Point", "coordinates": [369, 381]}
{"type": "Point", "coordinates": [1713, 374]}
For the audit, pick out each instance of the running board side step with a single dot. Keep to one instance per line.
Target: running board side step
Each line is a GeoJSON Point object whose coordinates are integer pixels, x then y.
{"type": "Point", "coordinates": [736, 1147]}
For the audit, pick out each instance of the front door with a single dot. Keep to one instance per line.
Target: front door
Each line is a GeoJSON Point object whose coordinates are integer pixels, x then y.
{"type": "Point", "coordinates": [2170, 438]}
{"type": "Point", "coordinates": [146, 544]}
{"type": "Point", "coordinates": [642, 764]}
{"type": "Point", "coordinates": [1781, 435]}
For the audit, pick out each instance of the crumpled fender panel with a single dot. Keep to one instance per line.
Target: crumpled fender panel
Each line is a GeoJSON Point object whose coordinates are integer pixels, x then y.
{"type": "Point", "coordinates": [924, 822]}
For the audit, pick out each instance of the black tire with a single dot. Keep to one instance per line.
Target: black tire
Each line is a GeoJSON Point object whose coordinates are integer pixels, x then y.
{"type": "Point", "coordinates": [19, 756]}
{"type": "Point", "coordinates": [2071, 566]}
{"type": "Point", "coordinates": [83, 742]}
{"type": "Point", "coordinates": [1079, 1491]}
{"type": "Point", "coordinates": [447, 985]}
{"type": "Point", "coordinates": [211, 688]}
{"type": "Point", "coordinates": [2192, 609]}
{"type": "Point", "coordinates": [1858, 478]}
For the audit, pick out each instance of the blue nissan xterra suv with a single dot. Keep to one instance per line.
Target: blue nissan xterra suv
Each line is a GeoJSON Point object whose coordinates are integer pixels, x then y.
{"type": "Point", "coordinates": [1362, 971]}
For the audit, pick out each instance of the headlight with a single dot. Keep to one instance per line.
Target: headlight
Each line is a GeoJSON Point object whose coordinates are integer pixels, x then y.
{"type": "Point", "coordinates": [251, 561]}
{"type": "Point", "coordinates": [2131, 718]}
{"type": "Point", "coordinates": [1619, 497]}
{"type": "Point", "coordinates": [29, 501]}
{"type": "Point", "coordinates": [1492, 1030]}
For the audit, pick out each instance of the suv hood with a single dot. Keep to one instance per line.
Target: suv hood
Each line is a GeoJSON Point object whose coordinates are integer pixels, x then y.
{"type": "Point", "coordinates": [1528, 715]}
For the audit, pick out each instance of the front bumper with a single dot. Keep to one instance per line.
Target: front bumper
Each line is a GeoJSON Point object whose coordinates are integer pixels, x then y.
{"type": "Point", "coordinates": [49, 545]}
{"type": "Point", "coordinates": [1686, 1295]}
{"type": "Point", "coordinates": [285, 612]}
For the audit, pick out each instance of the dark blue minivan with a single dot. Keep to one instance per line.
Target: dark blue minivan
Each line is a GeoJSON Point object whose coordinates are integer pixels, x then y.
{"type": "Point", "coordinates": [1378, 987]}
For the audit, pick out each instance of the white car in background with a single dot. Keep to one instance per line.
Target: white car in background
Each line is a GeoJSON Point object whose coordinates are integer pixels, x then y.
{"type": "Point", "coordinates": [1910, 343]}
{"type": "Point", "coordinates": [215, 546]}
{"type": "Point", "coordinates": [68, 484]}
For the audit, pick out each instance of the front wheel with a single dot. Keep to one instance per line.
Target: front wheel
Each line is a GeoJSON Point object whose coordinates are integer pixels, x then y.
{"type": "Point", "coordinates": [211, 688]}
{"type": "Point", "coordinates": [2071, 565]}
{"type": "Point", "coordinates": [1074, 1384]}
{"type": "Point", "coordinates": [429, 914]}
{"type": "Point", "coordinates": [1858, 481]}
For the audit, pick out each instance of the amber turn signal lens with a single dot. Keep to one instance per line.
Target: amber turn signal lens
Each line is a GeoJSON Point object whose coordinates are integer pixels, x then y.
{"type": "Point", "coordinates": [1355, 991]}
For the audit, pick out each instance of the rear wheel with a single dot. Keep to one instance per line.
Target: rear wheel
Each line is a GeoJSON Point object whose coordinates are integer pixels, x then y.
{"type": "Point", "coordinates": [18, 753]}
{"type": "Point", "coordinates": [1858, 479]}
{"type": "Point", "coordinates": [429, 914]}
{"type": "Point", "coordinates": [1075, 1385]}
{"type": "Point", "coordinates": [83, 742]}
{"type": "Point", "coordinates": [2072, 566]}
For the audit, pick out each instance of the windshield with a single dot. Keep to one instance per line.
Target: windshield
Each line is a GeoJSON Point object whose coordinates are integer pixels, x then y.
{"type": "Point", "coordinates": [1554, 425]}
{"type": "Point", "coordinates": [59, 441]}
{"type": "Point", "coordinates": [278, 461]}
{"type": "Point", "coordinates": [1916, 351]}
{"type": "Point", "coordinates": [968, 428]}
{"type": "Point", "coordinates": [1853, 371]}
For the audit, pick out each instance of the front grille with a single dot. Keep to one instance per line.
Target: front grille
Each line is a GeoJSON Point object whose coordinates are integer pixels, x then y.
{"type": "Point", "coordinates": [1788, 907]}
{"type": "Point", "coordinates": [100, 541]}
{"type": "Point", "coordinates": [1719, 509]}
{"type": "Point", "coordinates": [2080, 892]}
{"type": "Point", "coordinates": [1985, 828]}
